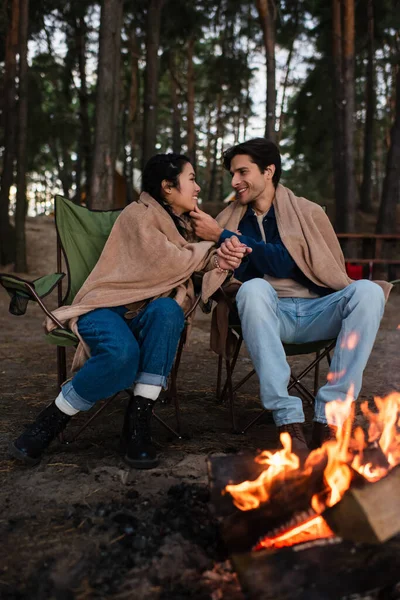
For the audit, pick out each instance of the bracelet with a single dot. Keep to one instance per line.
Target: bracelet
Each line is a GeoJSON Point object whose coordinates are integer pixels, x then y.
{"type": "Point", "coordinates": [218, 266]}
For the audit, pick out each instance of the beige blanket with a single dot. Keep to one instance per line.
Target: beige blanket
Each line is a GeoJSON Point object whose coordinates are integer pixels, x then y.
{"type": "Point", "coordinates": [311, 241]}
{"type": "Point", "coordinates": [145, 257]}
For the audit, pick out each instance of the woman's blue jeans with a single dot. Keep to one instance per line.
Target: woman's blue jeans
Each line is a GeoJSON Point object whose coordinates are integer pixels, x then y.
{"type": "Point", "coordinates": [351, 315]}
{"type": "Point", "coordinates": [124, 352]}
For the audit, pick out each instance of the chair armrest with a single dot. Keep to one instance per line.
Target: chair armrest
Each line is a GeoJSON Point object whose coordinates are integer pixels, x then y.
{"type": "Point", "coordinates": [21, 291]}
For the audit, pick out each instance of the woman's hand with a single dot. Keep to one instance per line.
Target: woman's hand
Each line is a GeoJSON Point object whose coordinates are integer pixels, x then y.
{"type": "Point", "coordinates": [231, 253]}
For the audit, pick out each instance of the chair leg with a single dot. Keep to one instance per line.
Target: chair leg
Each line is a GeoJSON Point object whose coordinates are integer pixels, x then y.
{"type": "Point", "coordinates": [254, 421]}
{"type": "Point", "coordinates": [61, 366]}
{"type": "Point", "coordinates": [296, 383]}
{"type": "Point", "coordinates": [244, 380]}
{"type": "Point", "coordinates": [164, 424]}
{"type": "Point", "coordinates": [328, 358]}
{"type": "Point", "coordinates": [219, 377]}
{"type": "Point", "coordinates": [85, 425]}
{"type": "Point", "coordinates": [228, 385]}
{"type": "Point", "coordinates": [232, 366]}
{"type": "Point", "coordinates": [316, 374]}
{"type": "Point", "coordinates": [172, 392]}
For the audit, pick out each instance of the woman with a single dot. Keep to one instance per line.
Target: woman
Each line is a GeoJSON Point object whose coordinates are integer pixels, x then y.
{"type": "Point", "coordinates": [129, 313]}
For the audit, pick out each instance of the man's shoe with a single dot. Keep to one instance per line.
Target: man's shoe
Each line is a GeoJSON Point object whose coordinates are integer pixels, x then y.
{"type": "Point", "coordinates": [321, 433]}
{"type": "Point", "coordinates": [295, 430]}
{"type": "Point", "coordinates": [30, 446]}
{"type": "Point", "coordinates": [140, 452]}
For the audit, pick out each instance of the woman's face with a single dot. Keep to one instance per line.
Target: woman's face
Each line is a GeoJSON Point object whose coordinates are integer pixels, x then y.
{"type": "Point", "coordinates": [183, 199]}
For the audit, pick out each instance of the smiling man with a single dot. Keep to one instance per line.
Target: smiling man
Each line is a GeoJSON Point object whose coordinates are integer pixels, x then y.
{"type": "Point", "coordinates": [294, 288]}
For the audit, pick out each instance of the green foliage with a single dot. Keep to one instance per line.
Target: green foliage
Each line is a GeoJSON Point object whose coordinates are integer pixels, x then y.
{"type": "Point", "coordinates": [228, 52]}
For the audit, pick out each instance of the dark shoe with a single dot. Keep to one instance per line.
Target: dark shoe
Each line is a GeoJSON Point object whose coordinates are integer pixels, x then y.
{"type": "Point", "coordinates": [295, 430]}
{"type": "Point", "coordinates": [321, 433]}
{"type": "Point", "coordinates": [30, 446]}
{"type": "Point", "coordinates": [140, 452]}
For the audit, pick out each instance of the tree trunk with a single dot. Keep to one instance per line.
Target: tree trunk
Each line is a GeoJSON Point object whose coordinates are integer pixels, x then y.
{"type": "Point", "coordinates": [132, 111]}
{"type": "Point", "coordinates": [267, 15]}
{"type": "Point", "coordinates": [21, 205]}
{"type": "Point", "coordinates": [391, 184]}
{"type": "Point", "coordinates": [151, 79]}
{"type": "Point", "coordinates": [176, 115]}
{"type": "Point", "coordinates": [287, 73]}
{"type": "Point", "coordinates": [207, 156]}
{"type": "Point", "coordinates": [338, 127]}
{"type": "Point", "coordinates": [366, 187]}
{"type": "Point", "coordinates": [63, 171]}
{"type": "Point", "coordinates": [85, 145]}
{"type": "Point", "coordinates": [215, 163]}
{"type": "Point", "coordinates": [191, 139]}
{"type": "Point", "coordinates": [107, 103]}
{"type": "Point", "coordinates": [348, 138]}
{"type": "Point", "coordinates": [7, 233]}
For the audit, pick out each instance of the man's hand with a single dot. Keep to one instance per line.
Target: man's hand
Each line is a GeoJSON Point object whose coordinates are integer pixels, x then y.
{"type": "Point", "coordinates": [231, 253]}
{"type": "Point", "coordinates": [205, 227]}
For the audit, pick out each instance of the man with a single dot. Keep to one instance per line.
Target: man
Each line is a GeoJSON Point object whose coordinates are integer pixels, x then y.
{"type": "Point", "coordinates": [295, 288]}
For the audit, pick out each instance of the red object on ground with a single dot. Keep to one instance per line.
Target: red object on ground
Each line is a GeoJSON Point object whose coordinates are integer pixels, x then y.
{"type": "Point", "coordinates": [354, 271]}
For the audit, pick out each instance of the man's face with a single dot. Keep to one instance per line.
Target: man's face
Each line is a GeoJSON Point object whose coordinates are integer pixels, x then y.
{"type": "Point", "coordinates": [247, 180]}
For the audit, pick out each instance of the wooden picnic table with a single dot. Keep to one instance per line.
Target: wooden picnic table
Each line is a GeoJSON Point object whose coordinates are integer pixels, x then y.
{"type": "Point", "coordinates": [376, 258]}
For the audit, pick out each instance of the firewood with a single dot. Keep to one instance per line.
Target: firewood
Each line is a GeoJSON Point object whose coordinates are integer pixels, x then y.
{"type": "Point", "coordinates": [368, 512]}
{"type": "Point", "coordinates": [329, 569]}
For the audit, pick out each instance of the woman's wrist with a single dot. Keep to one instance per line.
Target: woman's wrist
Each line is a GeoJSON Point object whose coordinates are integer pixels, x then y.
{"type": "Point", "coordinates": [218, 266]}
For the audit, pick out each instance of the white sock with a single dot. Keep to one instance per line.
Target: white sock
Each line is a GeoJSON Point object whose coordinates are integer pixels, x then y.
{"type": "Point", "coordinates": [151, 392]}
{"type": "Point", "coordinates": [65, 407]}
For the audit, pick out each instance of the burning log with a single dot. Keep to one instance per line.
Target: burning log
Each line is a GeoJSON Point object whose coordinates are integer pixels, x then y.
{"type": "Point", "coordinates": [368, 512]}
{"type": "Point", "coordinates": [290, 494]}
{"type": "Point", "coordinates": [326, 569]}
{"type": "Point", "coordinates": [282, 519]}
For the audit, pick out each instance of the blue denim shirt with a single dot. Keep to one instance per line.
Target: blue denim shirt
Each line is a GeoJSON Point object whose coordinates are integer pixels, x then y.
{"type": "Point", "coordinates": [270, 257]}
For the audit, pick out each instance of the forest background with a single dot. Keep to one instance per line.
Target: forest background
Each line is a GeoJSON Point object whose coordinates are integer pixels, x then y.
{"type": "Point", "coordinates": [90, 90]}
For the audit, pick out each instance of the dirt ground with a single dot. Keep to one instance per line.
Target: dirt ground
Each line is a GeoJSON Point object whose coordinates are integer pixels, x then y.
{"type": "Point", "coordinates": [82, 524]}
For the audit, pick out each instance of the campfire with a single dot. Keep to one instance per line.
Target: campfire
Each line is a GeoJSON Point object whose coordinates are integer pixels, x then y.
{"type": "Point", "coordinates": [351, 458]}
{"type": "Point", "coordinates": [337, 507]}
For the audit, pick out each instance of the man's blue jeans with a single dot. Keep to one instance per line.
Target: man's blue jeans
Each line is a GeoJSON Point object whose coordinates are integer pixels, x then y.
{"type": "Point", "coordinates": [352, 315]}
{"type": "Point", "coordinates": [124, 352]}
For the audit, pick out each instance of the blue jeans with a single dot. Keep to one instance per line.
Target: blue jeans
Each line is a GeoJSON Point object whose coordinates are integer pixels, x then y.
{"type": "Point", "coordinates": [352, 315]}
{"type": "Point", "coordinates": [124, 352]}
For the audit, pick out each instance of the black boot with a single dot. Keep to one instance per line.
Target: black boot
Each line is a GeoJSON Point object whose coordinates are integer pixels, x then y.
{"type": "Point", "coordinates": [139, 450]}
{"type": "Point", "coordinates": [321, 433]}
{"type": "Point", "coordinates": [30, 446]}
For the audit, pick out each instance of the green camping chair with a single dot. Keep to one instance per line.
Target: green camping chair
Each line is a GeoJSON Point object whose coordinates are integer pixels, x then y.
{"type": "Point", "coordinates": [81, 236]}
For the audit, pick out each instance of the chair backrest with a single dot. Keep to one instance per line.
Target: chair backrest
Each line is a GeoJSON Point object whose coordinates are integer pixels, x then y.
{"type": "Point", "coordinates": [82, 234]}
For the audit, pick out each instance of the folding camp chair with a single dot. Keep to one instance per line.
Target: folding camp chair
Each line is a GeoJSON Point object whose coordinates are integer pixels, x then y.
{"type": "Point", "coordinates": [320, 349]}
{"type": "Point", "coordinates": [81, 236]}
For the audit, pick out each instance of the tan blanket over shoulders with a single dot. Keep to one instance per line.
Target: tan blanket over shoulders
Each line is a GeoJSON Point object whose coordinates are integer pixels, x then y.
{"type": "Point", "coordinates": [311, 241]}
{"type": "Point", "coordinates": [145, 257]}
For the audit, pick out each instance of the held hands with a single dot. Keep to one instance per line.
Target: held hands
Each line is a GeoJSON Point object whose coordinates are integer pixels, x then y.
{"type": "Point", "coordinates": [231, 253]}
{"type": "Point", "coordinates": [205, 227]}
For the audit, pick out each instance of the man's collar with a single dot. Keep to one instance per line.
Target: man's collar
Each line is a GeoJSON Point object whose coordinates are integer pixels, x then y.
{"type": "Point", "coordinates": [250, 212]}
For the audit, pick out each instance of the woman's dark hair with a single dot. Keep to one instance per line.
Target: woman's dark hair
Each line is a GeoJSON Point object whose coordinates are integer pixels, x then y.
{"type": "Point", "coordinates": [160, 167]}
{"type": "Point", "coordinates": [262, 152]}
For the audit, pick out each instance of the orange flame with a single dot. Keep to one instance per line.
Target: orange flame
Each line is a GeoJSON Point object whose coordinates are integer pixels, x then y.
{"type": "Point", "coordinates": [344, 455]}
{"type": "Point", "coordinates": [250, 494]}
